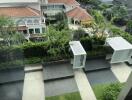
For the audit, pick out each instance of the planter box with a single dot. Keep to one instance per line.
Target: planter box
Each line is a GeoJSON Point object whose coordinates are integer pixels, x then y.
{"type": "Point", "coordinates": [56, 62]}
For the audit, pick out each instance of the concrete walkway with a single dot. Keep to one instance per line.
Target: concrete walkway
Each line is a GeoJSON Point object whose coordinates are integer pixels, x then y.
{"type": "Point", "coordinates": [33, 86]}
{"type": "Point", "coordinates": [83, 84]}
{"type": "Point", "coordinates": [121, 71]}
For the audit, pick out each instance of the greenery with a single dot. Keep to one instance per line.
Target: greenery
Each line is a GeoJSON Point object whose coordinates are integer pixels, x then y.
{"type": "Point", "coordinates": [129, 27]}
{"type": "Point", "coordinates": [99, 25]}
{"type": "Point", "coordinates": [12, 64]}
{"type": "Point", "coordinates": [11, 57]}
{"type": "Point", "coordinates": [69, 96]}
{"type": "Point", "coordinates": [62, 21]}
{"type": "Point", "coordinates": [117, 14]}
{"type": "Point", "coordinates": [106, 90]}
{"type": "Point", "coordinates": [118, 32]}
{"type": "Point", "coordinates": [32, 60]}
{"type": "Point", "coordinates": [91, 3]}
{"type": "Point", "coordinates": [78, 34]}
{"type": "Point", "coordinates": [9, 33]}
{"type": "Point", "coordinates": [111, 92]}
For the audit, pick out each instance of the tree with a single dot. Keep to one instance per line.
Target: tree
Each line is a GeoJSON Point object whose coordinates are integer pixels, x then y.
{"type": "Point", "coordinates": [117, 14]}
{"type": "Point", "coordinates": [129, 27]}
{"type": "Point", "coordinates": [58, 39]}
{"type": "Point", "coordinates": [109, 14]}
{"type": "Point", "coordinates": [78, 34]}
{"type": "Point", "coordinates": [100, 24]}
{"type": "Point", "coordinates": [62, 21]}
{"type": "Point", "coordinates": [8, 31]}
{"type": "Point", "coordinates": [92, 2]}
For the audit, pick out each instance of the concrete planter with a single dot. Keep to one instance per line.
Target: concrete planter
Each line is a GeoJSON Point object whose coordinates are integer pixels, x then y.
{"type": "Point", "coordinates": [56, 62]}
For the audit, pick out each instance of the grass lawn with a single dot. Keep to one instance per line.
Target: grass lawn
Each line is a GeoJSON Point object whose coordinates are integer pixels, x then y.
{"type": "Point", "coordinates": [69, 96]}
{"type": "Point", "coordinates": [98, 90]}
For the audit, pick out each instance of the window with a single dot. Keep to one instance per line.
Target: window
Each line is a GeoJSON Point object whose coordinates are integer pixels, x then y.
{"type": "Point", "coordinates": [31, 31]}
{"type": "Point", "coordinates": [36, 22]}
{"type": "Point", "coordinates": [50, 6]}
{"type": "Point", "coordinates": [37, 30]}
{"type": "Point", "coordinates": [21, 22]}
{"type": "Point", "coordinates": [29, 22]}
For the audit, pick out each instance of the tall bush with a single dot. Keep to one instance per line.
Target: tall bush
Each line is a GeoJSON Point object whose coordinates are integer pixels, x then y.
{"type": "Point", "coordinates": [112, 91]}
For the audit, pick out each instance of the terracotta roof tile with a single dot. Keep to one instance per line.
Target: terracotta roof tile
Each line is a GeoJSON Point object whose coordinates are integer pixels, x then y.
{"type": "Point", "coordinates": [67, 2]}
{"type": "Point", "coordinates": [79, 13]}
{"type": "Point", "coordinates": [18, 12]}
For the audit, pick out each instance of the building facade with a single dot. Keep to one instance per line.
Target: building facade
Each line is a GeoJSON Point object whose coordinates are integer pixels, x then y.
{"type": "Point", "coordinates": [26, 15]}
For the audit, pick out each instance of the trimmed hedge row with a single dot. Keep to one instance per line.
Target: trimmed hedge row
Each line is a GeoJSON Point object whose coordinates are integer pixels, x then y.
{"type": "Point", "coordinates": [47, 51]}
{"type": "Point", "coordinates": [118, 32]}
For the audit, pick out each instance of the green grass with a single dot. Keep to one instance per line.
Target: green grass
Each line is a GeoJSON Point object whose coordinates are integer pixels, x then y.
{"type": "Point", "coordinates": [69, 96]}
{"type": "Point", "coordinates": [98, 90]}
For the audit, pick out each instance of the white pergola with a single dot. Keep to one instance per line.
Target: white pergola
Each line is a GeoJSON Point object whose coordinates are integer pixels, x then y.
{"type": "Point", "coordinates": [79, 54]}
{"type": "Point", "coordinates": [122, 50]}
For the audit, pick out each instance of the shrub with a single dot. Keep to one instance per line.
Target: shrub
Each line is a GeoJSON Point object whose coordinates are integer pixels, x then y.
{"type": "Point", "coordinates": [12, 64]}
{"type": "Point", "coordinates": [120, 21]}
{"type": "Point", "coordinates": [118, 32]}
{"type": "Point", "coordinates": [111, 91]}
{"type": "Point", "coordinates": [32, 60]}
{"type": "Point", "coordinates": [129, 27]}
{"type": "Point", "coordinates": [38, 49]}
{"type": "Point", "coordinates": [87, 43]}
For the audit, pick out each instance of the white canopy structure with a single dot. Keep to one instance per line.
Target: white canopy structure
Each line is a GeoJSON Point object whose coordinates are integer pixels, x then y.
{"type": "Point", "coordinates": [122, 49]}
{"type": "Point", "coordinates": [79, 54]}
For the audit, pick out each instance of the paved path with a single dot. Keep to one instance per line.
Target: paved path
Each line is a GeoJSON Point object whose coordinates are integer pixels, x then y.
{"type": "Point", "coordinates": [121, 71]}
{"type": "Point", "coordinates": [33, 86]}
{"type": "Point", "coordinates": [83, 84]}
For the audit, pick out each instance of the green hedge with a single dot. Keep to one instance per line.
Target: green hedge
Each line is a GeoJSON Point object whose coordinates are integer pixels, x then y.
{"type": "Point", "coordinates": [44, 49]}
{"type": "Point", "coordinates": [36, 52]}
{"type": "Point", "coordinates": [118, 32]}
{"type": "Point", "coordinates": [111, 92]}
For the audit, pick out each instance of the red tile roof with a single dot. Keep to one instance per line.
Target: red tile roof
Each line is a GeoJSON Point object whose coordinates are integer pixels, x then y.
{"type": "Point", "coordinates": [79, 13]}
{"type": "Point", "coordinates": [18, 12]}
{"type": "Point", "coordinates": [67, 2]}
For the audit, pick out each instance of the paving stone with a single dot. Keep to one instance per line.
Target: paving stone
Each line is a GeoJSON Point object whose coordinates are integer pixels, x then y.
{"type": "Point", "coordinates": [57, 71]}
{"type": "Point", "coordinates": [121, 71]}
{"type": "Point", "coordinates": [101, 77]}
{"type": "Point", "coordinates": [96, 64]}
{"type": "Point", "coordinates": [58, 87]}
